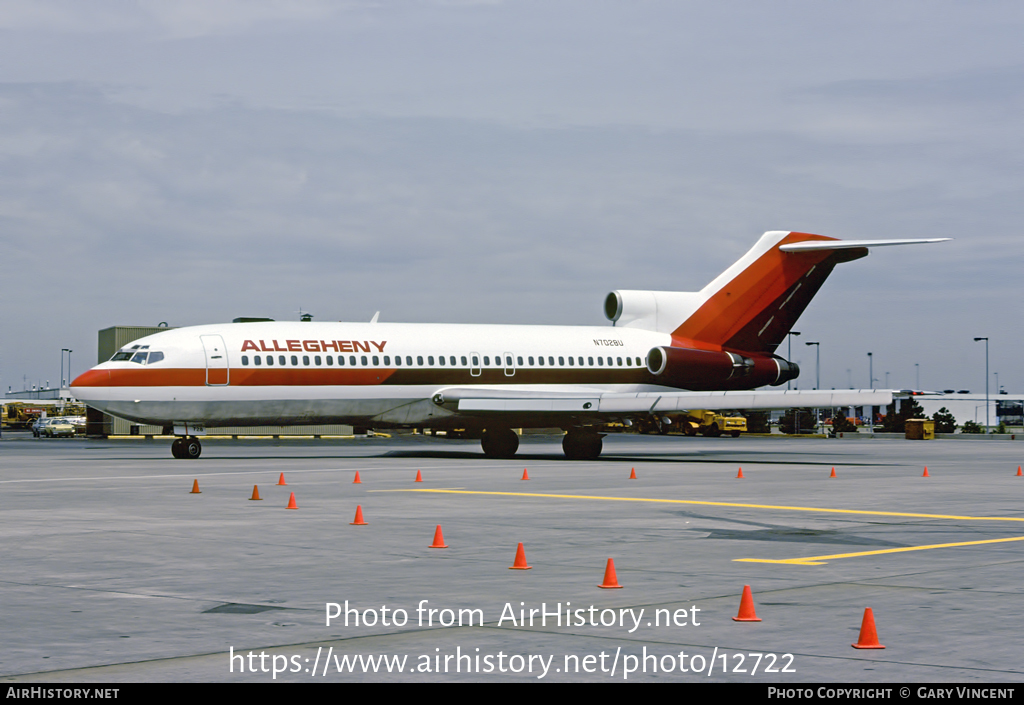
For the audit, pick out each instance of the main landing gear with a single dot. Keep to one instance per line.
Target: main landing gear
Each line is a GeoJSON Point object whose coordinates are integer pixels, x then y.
{"type": "Point", "coordinates": [582, 445]}
{"type": "Point", "coordinates": [499, 442]}
{"type": "Point", "coordinates": [188, 447]}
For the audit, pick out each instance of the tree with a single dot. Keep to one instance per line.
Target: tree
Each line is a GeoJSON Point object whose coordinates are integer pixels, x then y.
{"type": "Point", "coordinates": [841, 424]}
{"type": "Point", "coordinates": [944, 421]}
{"type": "Point", "coordinates": [972, 427]}
{"type": "Point", "coordinates": [797, 421]}
{"type": "Point", "coordinates": [896, 421]}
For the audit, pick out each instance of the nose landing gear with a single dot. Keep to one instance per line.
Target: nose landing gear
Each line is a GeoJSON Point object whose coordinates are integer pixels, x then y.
{"type": "Point", "coordinates": [188, 447]}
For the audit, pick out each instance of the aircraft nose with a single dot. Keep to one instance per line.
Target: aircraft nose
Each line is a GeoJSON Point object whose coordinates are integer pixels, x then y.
{"type": "Point", "coordinates": [92, 378]}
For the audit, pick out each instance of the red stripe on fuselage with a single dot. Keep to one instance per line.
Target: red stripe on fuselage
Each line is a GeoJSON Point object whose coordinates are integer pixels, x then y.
{"type": "Point", "coordinates": [241, 377]}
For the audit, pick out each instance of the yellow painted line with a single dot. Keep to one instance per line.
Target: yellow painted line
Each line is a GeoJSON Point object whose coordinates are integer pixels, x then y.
{"type": "Point", "coordinates": [720, 504]}
{"type": "Point", "coordinates": [820, 560]}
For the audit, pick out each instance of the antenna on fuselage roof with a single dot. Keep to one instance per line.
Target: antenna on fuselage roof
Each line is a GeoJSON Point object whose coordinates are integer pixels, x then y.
{"type": "Point", "coordinates": [375, 317]}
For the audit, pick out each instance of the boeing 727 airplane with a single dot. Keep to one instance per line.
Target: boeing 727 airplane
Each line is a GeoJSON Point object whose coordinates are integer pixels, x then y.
{"type": "Point", "coordinates": [665, 353]}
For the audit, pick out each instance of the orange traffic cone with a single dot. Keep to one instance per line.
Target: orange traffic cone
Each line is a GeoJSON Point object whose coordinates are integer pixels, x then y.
{"type": "Point", "coordinates": [632, 474]}
{"type": "Point", "coordinates": [833, 473]}
{"type": "Point", "coordinates": [611, 581]}
{"type": "Point", "coordinates": [195, 487]}
{"type": "Point", "coordinates": [925, 473]}
{"type": "Point", "coordinates": [438, 539]}
{"type": "Point", "coordinates": [526, 475]}
{"type": "Point", "coordinates": [255, 493]}
{"type": "Point", "coordinates": [739, 475]}
{"type": "Point", "coordinates": [358, 521]}
{"type": "Point", "coordinates": [747, 613]}
{"type": "Point", "coordinates": [291, 502]}
{"type": "Point", "coordinates": [1018, 471]}
{"type": "Point", "coordinates": [357, 481]}
{"type": "Point", "coordinates": [281, 482]}
{"type": "Point", "coordinates": [520, 562]}
{"type": "Point", "coordinates": [868, 638]}
{"type": "Point", "coordinates": [419, 477]}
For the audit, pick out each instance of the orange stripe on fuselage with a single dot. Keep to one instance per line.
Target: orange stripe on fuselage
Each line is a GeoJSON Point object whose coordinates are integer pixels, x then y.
{"type": "Point", "coordinates": [752, 291]}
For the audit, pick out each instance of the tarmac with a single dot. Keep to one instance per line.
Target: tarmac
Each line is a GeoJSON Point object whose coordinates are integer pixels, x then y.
{"type": "Point", "coordinates": [113, 571]}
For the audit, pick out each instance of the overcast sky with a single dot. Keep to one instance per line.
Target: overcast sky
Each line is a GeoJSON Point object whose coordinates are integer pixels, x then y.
{"type": "Point", "coordinates": [510, 162]}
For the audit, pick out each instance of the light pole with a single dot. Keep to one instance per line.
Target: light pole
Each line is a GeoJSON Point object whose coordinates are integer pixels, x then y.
{"type": "Point", "coordinates": [986, 380]}
{"type": "Point", "coordinates": [886, 380]}
{"type": "Point", "coordinates": [871, 371]}
{"type": "Point", "coordinates": [789, 336]}
{"type": "Point", "coordinates": [62, 351]}
{"type": "Point", "coordinates": [817, 376]}
{"type": "Point", "coordinates": [917, 375]}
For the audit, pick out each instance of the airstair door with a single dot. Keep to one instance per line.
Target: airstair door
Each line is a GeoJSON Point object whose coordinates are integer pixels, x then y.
{"type": "Point", "coordinates": [216, 360]}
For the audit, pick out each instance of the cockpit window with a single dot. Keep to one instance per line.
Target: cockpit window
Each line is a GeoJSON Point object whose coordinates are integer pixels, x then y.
{"type": "Point", "coordinates": [118, 357]}
{"type": "Point", "coordinates": [155, 357]}
{"type": "Point", "coordinates": [140, 358]}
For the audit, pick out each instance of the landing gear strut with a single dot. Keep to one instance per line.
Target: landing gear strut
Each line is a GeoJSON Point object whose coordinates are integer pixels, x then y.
{"type": "Point", "coordinates": [188, 447]}
{"type": "Point", "coordinates": [582, 445]}
{"type": "Point", "coordinates": [499, 442]}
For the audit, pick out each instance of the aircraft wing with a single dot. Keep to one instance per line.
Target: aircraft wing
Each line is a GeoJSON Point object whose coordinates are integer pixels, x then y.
{"type": "Point", "coordinates": [618, 403]}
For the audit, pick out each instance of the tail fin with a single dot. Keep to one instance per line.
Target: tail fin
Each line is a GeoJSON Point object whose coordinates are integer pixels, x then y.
{"type": "Point", "coordinates": [752, 305]}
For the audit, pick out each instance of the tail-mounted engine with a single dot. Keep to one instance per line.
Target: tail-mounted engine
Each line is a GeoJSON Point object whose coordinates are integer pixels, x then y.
{"type": "Point", "coordinates": [707, 370]}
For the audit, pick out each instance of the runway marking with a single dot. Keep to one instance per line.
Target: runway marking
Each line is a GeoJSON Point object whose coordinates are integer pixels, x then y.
{"type": "Point", "coordinates": [740, 505]}
{"type": "Point", "coordinates": [821, 560]}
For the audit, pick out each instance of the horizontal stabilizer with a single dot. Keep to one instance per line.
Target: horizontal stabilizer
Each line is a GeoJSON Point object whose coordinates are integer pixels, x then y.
{"type": "Point", "coordinates": [810, 245]}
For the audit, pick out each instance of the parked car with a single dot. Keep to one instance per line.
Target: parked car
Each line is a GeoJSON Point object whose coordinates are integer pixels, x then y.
{"type": "Point", "coordinates": [52, 427]}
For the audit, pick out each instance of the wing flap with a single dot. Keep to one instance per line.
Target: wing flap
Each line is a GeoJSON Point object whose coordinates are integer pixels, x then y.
{"type": "Point", "coordinates": [618, 403]}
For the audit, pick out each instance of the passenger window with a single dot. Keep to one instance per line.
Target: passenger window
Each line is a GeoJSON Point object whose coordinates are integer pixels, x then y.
{"type": "Point", "coordinates": [257, 359]}
{"type": "Point", "coordinates": [295, 359]}
{"type": "Point", "coordinates": [270, 360]}
{"type": "Point", "coordinates": [341, 360]}
{"type": "Point", "coordinates": [408, 360]}
{"type": "Point", "coordinates": [376, 361]}
{"type": "Point", "coordinates": [487, 360]}
{"type": "Point", "coordinates": [451, 359]}
{"type": "Point", "coordinates": [570, 362]}
{"type": "Point", "coordinates": [440, 360]}
{"type": "Point", "coordinates": [508, 361]}
{"type": "Point", "coordinates": [551, 361]}
{"type": "Point", "coordinates": [590, 361]}
{"type": "Point", "coordinates": [600, 361]}
{"type": "Point", "coordinates": [398, 360]}
{"type": "Point", "coordinates": [305, 359]}
{"type": "Point", "coordinates": [540, 361]}
{"type": "Point", "coordinates": [352, 360]}
{"type": "Point", "coordinates": [638, 363]}
{"type": "Point", "coordinates": [419, 360]}
{"type": "Point", "coordinates": [561, 361]}
{"type": "Point", "coordinates": [629, 362]}
{"type": "Point", "coordinates": [362, 360]}
{"type": "Point", "coordinates": [532, 363]}
{"type": "Point", "coordinates": [430, 360]}
{"type": "Point", "coordinates": [330, 360]}
{"type": "Point", "coordinates": [387, 361]}
{"type": "Point", "coordinates": [245, 359]}
{"type": "Point", "coordinates": [464, 362]}
{"type": "Point", "coordinates": [476, 361]}
{"type": "Point", "coordinates": [280, 359]}
{"type": "Point", "coordinates": [519, 360]}
{"type": "Point", "coordinates": [581, 361]}
{"type": "Point", "coordinates": [317, 360]}
{"type": "Point", "coordinates": [619, 360]}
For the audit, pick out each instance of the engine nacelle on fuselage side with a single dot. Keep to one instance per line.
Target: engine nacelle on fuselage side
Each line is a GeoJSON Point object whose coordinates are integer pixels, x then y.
{"type": "Point", "coordinates": [709, 370]}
